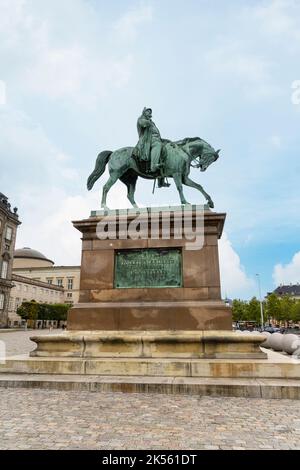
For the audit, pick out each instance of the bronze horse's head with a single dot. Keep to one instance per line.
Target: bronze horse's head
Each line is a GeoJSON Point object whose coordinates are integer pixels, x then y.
{"type": "Point", "coordinates": [208, 158]}
{"type": "Point", "coordinates": [204, 153]}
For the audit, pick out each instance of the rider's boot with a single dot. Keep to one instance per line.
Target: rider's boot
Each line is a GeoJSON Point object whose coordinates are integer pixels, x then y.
{"type": "Point", "coordinates": [161, 183]}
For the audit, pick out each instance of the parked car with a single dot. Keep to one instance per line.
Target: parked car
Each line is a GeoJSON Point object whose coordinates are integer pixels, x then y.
{"type": "Point", "coordinates": [272, 329]}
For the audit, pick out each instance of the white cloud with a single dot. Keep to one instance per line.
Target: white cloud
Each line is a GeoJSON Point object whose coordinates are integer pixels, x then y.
{"type": "Point", "coordinates": [234, 280]}
{"type": "Point", "coordinates": [279, 17]}
{"type": "Point", "coordinates": [74, 74]}
{"type": "Point", "coordinates": [288, 273]}
{"type": "Point", "coordinates": [28, 146]}
{"type": "Point", "coordinates": [47, 217]}
{"type": "Point", "coordinates": [252, 71]}
{"type": "Point", "coordinates": [49, 60]}
{"type": "Point", "coordinates": [127, 26]}
{"type": "Point", "coordinates": [57, 72]}
{"type": "Point", "coordinates": [275, 141]}
{"type": "Point", "coordinates": [2, 93]}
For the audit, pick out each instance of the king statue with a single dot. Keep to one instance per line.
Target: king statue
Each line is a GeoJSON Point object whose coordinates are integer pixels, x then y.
{"type": "Point", "coordinates": [149, 146]}
{"type": "Point", "coordinates": [154, 158]}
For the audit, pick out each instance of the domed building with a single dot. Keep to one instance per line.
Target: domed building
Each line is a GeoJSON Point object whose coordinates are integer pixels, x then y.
{"type": "Point", "coordinates": [36, 277]}
{"type": "Point", "coordinates": [29, 258]}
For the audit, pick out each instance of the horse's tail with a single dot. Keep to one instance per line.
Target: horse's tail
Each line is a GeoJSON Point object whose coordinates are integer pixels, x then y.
{"type": "Point", "coordinates": [101, 163]}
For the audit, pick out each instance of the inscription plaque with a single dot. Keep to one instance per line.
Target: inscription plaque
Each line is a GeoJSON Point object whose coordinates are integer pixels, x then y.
{"type": "Point", "coordinates": [153, 267]}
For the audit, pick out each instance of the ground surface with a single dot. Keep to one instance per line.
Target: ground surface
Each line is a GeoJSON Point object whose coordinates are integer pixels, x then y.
{"type": "Point", "coordinates": [43, 419]}
{"type": "Point", "coordinates": [18, 342]}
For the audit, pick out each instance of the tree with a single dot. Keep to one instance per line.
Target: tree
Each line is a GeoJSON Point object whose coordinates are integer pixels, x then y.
{"type": "Point", "coordinates": [253, 310]}
{"type": "Point", "coordinates": [28, 310]}
{"type": "Point", "coordinates": [35, 311]}
{"type": "Point", "coordinates": [238, 310]}
{"type": "Point", "coordinates": [273, 308]}
{"type": "Point", "coordinates": [286, 307]}
{"type": "Point", "coordinates": [295, 313]}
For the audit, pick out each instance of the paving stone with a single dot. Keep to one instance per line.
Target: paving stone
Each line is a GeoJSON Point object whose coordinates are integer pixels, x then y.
{"type": "Point", "coordinates": [51, 419]}
{"type": "Point", "coordinates": [84, 420]}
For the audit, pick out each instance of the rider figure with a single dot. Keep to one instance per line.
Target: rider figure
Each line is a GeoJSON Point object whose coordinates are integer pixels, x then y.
{"type": "Point", "coordinates": [149, 145]}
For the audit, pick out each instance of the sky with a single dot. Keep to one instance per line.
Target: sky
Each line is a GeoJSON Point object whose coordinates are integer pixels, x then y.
{"type": "Point", "coordinates": [76, 74]}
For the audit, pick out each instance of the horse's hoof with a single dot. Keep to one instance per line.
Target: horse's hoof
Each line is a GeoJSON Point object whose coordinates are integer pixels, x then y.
{"type": "Point", "coordinates": [210, 204]}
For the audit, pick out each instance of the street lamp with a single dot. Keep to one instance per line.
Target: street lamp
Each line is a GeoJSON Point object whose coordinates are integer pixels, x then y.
{"type": "Point", "coordinates": [260, 301]}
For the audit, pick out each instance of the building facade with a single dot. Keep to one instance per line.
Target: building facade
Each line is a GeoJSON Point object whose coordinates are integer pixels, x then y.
{"type": "Point", "coordinates": [36, 266]}
{"type": "Point", "coordinates": [9, 222]}
{"type": "Point", "coordinates": [292, 290]}
{"type": "Point", "coordinates": [25, 290]}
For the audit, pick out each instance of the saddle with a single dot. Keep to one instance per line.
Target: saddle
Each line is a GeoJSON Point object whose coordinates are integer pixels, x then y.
{"type": "Point", "coordinates": [144, 165]}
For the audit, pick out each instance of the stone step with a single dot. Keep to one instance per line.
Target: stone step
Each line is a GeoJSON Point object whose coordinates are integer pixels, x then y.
{"type": "Point", "coordinates": [277, 366]}
{"type": "Point", "coordinates": [223, 387]}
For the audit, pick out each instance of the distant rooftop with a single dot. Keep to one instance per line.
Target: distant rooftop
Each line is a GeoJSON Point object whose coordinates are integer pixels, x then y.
{"type": "Point", "coordinates": [27, 252]}
{"type": "Point", "coordinates": [290, 289]}
{"type": "Point", "coordinates": [6, 205]}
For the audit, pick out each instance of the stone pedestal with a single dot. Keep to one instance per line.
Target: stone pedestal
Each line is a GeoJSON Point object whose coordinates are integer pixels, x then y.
{"type": "Point", "coordinates": [187, 299]}
{"type": "Point", "coordinates": [150, 289]}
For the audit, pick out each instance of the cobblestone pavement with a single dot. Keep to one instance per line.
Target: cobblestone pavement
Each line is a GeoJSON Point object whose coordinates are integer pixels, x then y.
{"type": "Point", "coordinates": [18, 342]}
{"type": "Point", "coordinates": [43, 419]}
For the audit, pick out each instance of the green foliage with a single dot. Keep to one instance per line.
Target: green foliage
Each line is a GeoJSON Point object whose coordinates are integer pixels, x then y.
{"type": "Point", "coordinates": [295, 313]}
{"type": "Point", "coordinates": [253, 310]}
{"type": "Point", "coordinates": [239, 310]}
{"type": "Point", "coordinates": [35, 311]}
{"type": "Point", "coordinates": [28, 310]}
{"type": "Point", "coordinates": [286, 308]}
{"type": "Point", "coordinates": [277, 308]}
{"type": "Point", "coordinates": [273, 308]}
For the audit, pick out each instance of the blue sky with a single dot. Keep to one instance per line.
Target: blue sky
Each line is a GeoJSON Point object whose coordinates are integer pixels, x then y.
{"type": "Point", "coordinates": [74, 77]}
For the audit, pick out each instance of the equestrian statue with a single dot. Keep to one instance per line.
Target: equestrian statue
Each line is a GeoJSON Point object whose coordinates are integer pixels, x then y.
{"type": "Point", "coordinates": [156, 159]}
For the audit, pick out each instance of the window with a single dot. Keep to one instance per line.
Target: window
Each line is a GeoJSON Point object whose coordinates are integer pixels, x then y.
{"type": "Point", "coordinates": [70, 284]}
{"type": "Point", "coordinates": [10, 304]}
{"type": "Point", "coordinates": [50, 280]}
{"type": "Point", "coordinates": [17, 303]}
{"type": "Point", "coordinates": [8, 234]}
{"type": "Point", "coordinates": [69, 295]}
{"type": "Point", "coordinates": [25, 288]}
{"type": "Point", "coordinates": [1, 301]}
{"type": "Point", "coordinates": [19, 287]}
{"type": "Point", "coordinates": [4, 269]}
{"type": "Point", "coordinates": [60, 282]}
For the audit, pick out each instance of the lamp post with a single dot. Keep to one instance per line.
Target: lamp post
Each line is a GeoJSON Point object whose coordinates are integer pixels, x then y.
{"type": "Point", "coordinates": [260, 301]}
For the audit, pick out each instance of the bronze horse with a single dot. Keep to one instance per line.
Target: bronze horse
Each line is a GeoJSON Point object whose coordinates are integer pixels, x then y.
{"type": "Point", "coordinates": [177, 159]}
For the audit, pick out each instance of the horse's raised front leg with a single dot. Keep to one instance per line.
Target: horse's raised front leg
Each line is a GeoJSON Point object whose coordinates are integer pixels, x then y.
{"type": "Point", "coordinates": [178, 181]}
{"type": "Point", "coordinates": [188, 182]}
{"type": "Point", "coordinates": [110, 182]}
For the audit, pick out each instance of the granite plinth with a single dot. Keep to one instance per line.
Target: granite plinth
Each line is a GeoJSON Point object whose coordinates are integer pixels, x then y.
{"type": "Point", "coordinates": [194, 305]}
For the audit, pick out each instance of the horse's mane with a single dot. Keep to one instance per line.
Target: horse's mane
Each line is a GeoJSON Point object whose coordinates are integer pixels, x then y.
{"type": "Point", "coordinates": [190, 139]}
